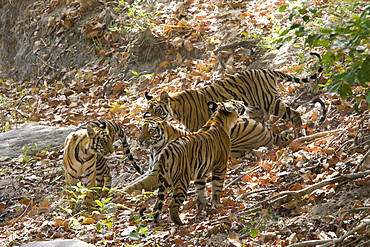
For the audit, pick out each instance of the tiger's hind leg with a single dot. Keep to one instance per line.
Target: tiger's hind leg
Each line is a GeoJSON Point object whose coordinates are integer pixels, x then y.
{"type": "Point", "coordinates": [218, 177]}
{"type": "Point", "coordinates": [200, 187]}
{"type": "Point", "coordinates": [180, 188]}
{"type": "Point", "coordinates": [280, 109]}
{"type": "Point", "coordinates": [256, 113]}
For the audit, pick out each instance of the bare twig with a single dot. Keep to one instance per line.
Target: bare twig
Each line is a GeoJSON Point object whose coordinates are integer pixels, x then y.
{"type": "Point", "coordinates": [327, 242]}
{"type": "Point", "coordinates": [362, 161]}
{"type": "Point", "coordinates": [308, 190]}
{"type": "Point", "coordinates": [360, 128]}
{"type": "Point", "coordinates": [46, 64]}
{"type": "Point", "coordinates": [254, 192]}
{"type": "Point", "coordinates": [353, 210]}
{"type": "Point", "coordinates": [339, 240]}
{"type": "Point", "coordinates": [310, 243]}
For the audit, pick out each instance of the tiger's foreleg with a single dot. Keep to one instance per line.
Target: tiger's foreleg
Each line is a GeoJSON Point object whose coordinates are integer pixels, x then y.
{"type": "Point", "coordinates": [70, 181]}
{"type": "Point", "coordinates": [103, 175]}
{"type": "Point", "coordinates": [71, 174]}
{"type": "Point", "coordinates": [91, 174]}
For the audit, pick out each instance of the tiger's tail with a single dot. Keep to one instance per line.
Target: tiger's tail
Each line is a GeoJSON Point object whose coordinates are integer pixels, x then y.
{"type": "Point", "coordinates": [128, 153]}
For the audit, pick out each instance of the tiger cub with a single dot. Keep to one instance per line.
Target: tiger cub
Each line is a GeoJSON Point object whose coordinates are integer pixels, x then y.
{"type": "Point", "coordinates": [85, 154]}
{"type": "Point", "coordinates": [195, 156]}
{"type": "Point", "coordinates": [155, 133]}
{"type": "Point", "coordinates": [257, 88]}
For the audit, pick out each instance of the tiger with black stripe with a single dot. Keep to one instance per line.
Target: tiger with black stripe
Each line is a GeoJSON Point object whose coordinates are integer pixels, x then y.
{"type": "Point", "coordinates": [85, 154]}
{"type": "Point", "coordinates": [155, 133]}
{"type": "Point", "coordinates": [194, 156]}
{"type": "Point", "coordinates": [257, 88]}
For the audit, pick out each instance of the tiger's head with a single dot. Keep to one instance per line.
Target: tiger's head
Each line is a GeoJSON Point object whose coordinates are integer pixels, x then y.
{"type": "Point", "coordinates": [100, 139]}
{"type": "Point", "coordinates": [152, 131]}
{"type": "Point", "coordinates": [230, 109]}
{"type": "Point", "coordinates": [158, 106]}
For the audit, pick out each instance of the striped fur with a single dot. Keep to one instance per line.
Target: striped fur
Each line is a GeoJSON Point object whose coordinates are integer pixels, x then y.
{"type": "Point", "coordinates": [155, 133]}
{"type": "Point", "coordinates": [256, 88]}
{"type": "Point", "coordinates": [85, 154]}
{"type": "Point", "coordinates": [194, 156]}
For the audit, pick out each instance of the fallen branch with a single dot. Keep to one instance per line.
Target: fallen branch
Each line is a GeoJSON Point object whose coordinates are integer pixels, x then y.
{"type": "Point", "coordinates": [353, 210]}
{"type": "Point", "coordinates": [330, 242]}
{"type": "Point", "coordinates": [308, 190]}
{"type": "Point", "coordinates": [250, 170]}
{"type": "Point", "coordinates": [310, 243]}
{"type": "Point", "coordinates": [362, 161]}
{"type": "Point", "coordinates": [339, 240]}
{"type": "Point", "coordinates": [318, 135]}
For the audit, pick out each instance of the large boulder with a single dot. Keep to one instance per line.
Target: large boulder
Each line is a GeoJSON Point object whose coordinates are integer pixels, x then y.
{"type": "Point", "coordinates": [59, 243]}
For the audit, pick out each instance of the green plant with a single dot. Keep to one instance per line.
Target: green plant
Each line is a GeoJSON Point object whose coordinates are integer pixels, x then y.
{"type": "Point", "coordinates": [102, 214]}
{"type": "Point", "coordinates": [343, 30]}
{"type": "Point", "coordinates": [138, 19]}
{"type": "Point", "coordinates": [76, 194]}
{"type": "Point", "coordinates": [260, 222]}
{"type": "Point", "coordinates": [26, 150]}
{"type": "Point", "coordinates": [141, 229]}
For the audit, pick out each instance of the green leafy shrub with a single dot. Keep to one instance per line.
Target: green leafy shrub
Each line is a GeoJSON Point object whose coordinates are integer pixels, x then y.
{"type": "Point", "coordinates": [343, 30]}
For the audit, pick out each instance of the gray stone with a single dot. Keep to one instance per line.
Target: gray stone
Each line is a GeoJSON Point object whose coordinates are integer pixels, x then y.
{"type": "Point", "coordinates": [34, 137]}
{"type": "Point", "coordinates": [59, 243]}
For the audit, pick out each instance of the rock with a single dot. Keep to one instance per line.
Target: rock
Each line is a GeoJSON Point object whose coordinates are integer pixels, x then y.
{"type": "Point", "coordinates": [59, 243]}
{"type": "Point", "coordinates": [34, 137]}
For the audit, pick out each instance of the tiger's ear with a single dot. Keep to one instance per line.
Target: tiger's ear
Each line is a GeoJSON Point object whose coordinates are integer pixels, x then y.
{"type": "Point", "coordinates": [165, 97]}
{"type": "Point", "coordinates": [212, 106]}
{"type": "Point", "coordinates": [148, 96]}
{"type": "Point", "coordinates": [103, 125]}
{"type": "Point", "coordinates": [90, 131]}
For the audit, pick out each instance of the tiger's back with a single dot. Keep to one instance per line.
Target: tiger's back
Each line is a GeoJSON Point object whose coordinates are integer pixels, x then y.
{"type": "Point", "coordinates": [256, 88]}
{"type": "Point", "coordinates": [193, 157]}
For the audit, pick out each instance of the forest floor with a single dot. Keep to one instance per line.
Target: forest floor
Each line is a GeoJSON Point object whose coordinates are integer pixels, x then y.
{"type": "Point", "coordinates": [315, 188]}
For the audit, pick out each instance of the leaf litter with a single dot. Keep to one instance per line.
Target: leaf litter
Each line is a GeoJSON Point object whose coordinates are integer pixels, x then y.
{"type": "Point", "coordinates": [269, 198]}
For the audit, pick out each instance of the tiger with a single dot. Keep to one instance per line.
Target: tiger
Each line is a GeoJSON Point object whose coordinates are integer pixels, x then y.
{"type": "Point", "coordinates": [155, 133]}
{"type": "Point", "coordinates": [257, 88]}
{"type": "Point", "coordinates": [85, 153]}
{"type": "Point", "coordinates": [194, 156]}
